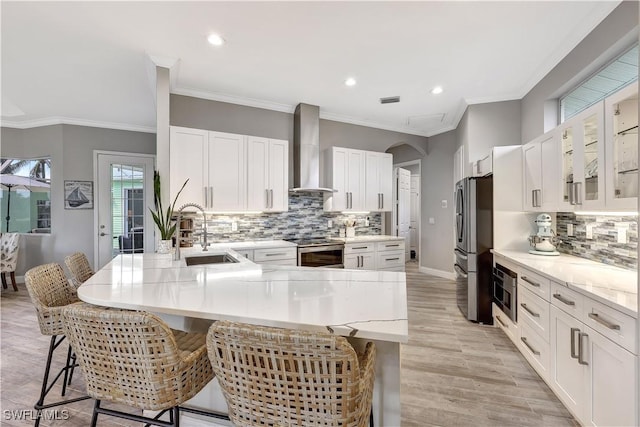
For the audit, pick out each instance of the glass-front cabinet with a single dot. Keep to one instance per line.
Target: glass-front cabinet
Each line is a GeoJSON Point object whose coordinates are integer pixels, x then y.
{"type": "Point", "coordinates": [621, 111]}
{"type": "Point", "coordinates": [582, 169]}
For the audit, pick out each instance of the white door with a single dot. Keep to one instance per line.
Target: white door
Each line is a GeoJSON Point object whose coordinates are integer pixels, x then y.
{"type": "Point", "coordinates": [124, 194]}
{"type": "Point", "coordinates": [355, 179]}
{"type": "Point", "coordinates": [532, 175]}
{"type": "Point", "coordinates": [187, 151]}
{"type": "Point", "coordinates": [414, 231]}
{"type": "Point", "coordinates": [278, 175]}
{"type": "Point", "coordinates": [227, 177]}
{"type": "Point", "coordinates": [257, 173]}
{"type": "Point", "coordinates": [403, 182]}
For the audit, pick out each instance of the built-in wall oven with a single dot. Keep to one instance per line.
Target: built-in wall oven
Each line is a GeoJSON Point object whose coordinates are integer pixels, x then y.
{"type": "Point", "coordinates": [320, 253]}
{"type": "Point", "coordinates": [505, 290]}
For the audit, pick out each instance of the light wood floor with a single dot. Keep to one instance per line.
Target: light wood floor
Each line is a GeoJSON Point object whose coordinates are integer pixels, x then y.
{"type": "Point", "coordinates": [454, 373]}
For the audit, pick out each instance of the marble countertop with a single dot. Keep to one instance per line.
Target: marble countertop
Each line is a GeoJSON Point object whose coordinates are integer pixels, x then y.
{"type": "Point", "coordinates": [360, 239]}
{"type": "Point", "coordinates": [613, 286]}
{"type": "Point", "coordinates": [249, 244]}
{"type": "Point", "coordinates": [366, 304]}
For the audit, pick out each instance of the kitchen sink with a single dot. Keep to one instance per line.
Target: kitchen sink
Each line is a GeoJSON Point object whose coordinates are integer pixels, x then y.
{"type": "Point", "coordinates": [210, 259]}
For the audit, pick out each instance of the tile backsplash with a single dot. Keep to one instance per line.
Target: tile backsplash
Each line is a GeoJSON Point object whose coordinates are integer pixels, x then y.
{"type": "Point", "coordinates": [305, 219]}
{"type": "Point", "coordinates": [603, 246]}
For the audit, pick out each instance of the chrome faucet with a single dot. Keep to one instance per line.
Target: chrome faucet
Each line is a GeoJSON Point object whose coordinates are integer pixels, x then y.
{"type": "Point", "coordinates": [176, 254]}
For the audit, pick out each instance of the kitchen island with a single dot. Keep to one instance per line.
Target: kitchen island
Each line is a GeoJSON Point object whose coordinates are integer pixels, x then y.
{"type": "Point", "coordinates": [362, 305]}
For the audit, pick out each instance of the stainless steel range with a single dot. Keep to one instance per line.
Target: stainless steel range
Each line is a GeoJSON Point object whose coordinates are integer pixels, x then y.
{"type": "Point", "coordinates": [320, 252]}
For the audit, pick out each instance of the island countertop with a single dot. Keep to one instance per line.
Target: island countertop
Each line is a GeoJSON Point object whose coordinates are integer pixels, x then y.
{"type": "Point", "coordinates": [365, 304]}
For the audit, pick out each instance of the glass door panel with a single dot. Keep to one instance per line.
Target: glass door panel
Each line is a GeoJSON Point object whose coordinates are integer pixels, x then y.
{"type": "Point", "coordinates": [590, 157]}
{"type": "Point", "coordinates": [567, 164]}
{"type": "Point", "coordinates": [625, 148]}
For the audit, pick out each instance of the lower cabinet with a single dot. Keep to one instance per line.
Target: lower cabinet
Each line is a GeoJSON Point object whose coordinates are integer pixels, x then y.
{"type": "Point", "coordinates": [506, 324]}
{"type": "Point", "coordinates": [387, 256]}
{"type": "Point", "coordinates": [594, 377]}
{"type": "Point", "coordinates": [275, 256]}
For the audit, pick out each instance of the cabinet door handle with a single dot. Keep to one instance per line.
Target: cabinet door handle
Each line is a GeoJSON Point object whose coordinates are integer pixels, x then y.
{"type": "Point", "coordinates": [206, 198]}
{"type": "Point", "coordinates": [281, 254]}
{"type": "Point", "coordinates": [574, 355]}
{"type": "Point", "coordinates": [533, 198]}
{"type": "Point", "coordinates": [597, 318]}
{"type": "Point", "coordinates": [361, 247]}
{"type": "Point", "coordinates": [392, 246]}
{"type": "Point", "coordinates": [211, 198]}
{"type": "Point", "coordinates": [271, 191]}
{"type": "Point", "coordinates": [572, 194]}
{"type": "Point", "coordinates": [539, 198]}
{"type": "Point", "coordinates": [266, 203]}
{"type": "Point", "coordinates": [528, 310]}
{"type": "Point", "coordinates": [524, 340]}
{"type": "Point", "coordinates": [534, 284]}
{"type": "Point", "coordinates": [381, 200]}
{"type": "Point", "coordinates": [563, 299]}
{"type": "Point", "coordinates": [581, 335]}
{"type": "Point", "coordinates": [501, 322]}
{"type": "Point", "coordinates": [392, 259]}
{"type": "Point", "coordinates": [578, 191]}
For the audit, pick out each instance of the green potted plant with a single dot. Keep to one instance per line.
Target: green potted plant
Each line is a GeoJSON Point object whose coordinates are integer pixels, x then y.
{"type": "Point", "coordinates": [162, 218]}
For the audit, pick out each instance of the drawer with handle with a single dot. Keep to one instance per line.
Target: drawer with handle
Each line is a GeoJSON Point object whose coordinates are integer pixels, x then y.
{"type": "Point", "coordinates": [534, 311]}
{"type": "Point", "coordinates": [505, 323]}
{"type": "Point", "coordinates": [618, 327]}
{"type": "Point", "coordinates": [535, 349]}
{"type": "Point", "coordinates": [393, 245]}
{"type": "Point", "coordinates": [265, 255]}
{"type": "Point", "coordinates": [358, 248]}
{"type": "Point", "coordinates": [567, 300]}
{"type": "Point", "coordinates": [536, 283]}
{"type": "Point", "coordinates": [390, 259]}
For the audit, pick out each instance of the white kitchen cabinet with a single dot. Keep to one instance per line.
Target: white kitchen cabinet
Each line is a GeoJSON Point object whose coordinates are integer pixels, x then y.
{"type": "Point", "coordinates": [483, 167]}
{"type": "Point", "coordinates": [378, 181]}
{"type": "Point", "coordinates": [611, 394]}
{"type": "Point", "coordinates": [540, 169]}
{"type": "Point", "coordinates": [187, 160]}
{"type": "Point", "coordinates": [229, 172]}
{"type": "Point", "coordinates": [364, 261]}
{"type": "Point", "coordinates": [621, 141]}
{"type": "Point", "coordinates": [277, 256]}
{"type": "Point", "coordinates": [505, 323]}
{"type": "Point", "coordinates": [582, 152]}
{"type": "Point", "coordinates": [267, 174]}
{"type": "Point", "coordinates": [345, 173]}
{"type": "Point", "coordinates": [226, 167]}
{"type": "Point", "coordinates": [385, 255]}
{"type": "Point", "coordinates": [567, 373]}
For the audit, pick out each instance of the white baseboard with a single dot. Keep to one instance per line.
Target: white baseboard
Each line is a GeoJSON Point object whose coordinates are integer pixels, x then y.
{"type": "Point", "coordinates": [439, 273]}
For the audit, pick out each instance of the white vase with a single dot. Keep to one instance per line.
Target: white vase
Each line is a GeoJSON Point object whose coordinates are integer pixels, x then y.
{"type": "Point", "coordinates": [164, 246]}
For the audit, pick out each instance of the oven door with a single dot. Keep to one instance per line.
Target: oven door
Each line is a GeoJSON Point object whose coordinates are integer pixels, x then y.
{"type": "Point", "coordinates": [504, 295]}
{"type": "Point", "coordinates": [321, 256]}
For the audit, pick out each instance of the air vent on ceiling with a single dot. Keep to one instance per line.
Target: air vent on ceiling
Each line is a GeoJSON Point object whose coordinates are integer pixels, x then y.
{"type": "Point", "coordinates": [390, 100]}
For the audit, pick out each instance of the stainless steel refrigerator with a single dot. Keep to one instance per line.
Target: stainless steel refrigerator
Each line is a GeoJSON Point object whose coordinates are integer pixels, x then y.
{"type": "Point", "coordinates": [474, 240]}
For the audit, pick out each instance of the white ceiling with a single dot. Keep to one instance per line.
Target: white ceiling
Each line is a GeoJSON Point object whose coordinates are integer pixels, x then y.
{"type": "Point", "coordinates": [87, 62]}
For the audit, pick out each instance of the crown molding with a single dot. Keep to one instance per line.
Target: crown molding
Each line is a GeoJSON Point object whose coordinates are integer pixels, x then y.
{"type": "Point", "coordinates": [50, 121]}
{"type": "Point", "coordinates": [233, 99]}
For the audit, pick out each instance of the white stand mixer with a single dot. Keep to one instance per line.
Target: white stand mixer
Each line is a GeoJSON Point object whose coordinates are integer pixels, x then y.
{"type": "Point", "coordinates": [545, 241]}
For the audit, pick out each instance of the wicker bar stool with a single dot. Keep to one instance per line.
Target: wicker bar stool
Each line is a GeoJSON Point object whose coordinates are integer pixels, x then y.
{"type": "Point", "coordinates": [50, 293]}
{"type": "Point", "coordinates": [78, 265]}
{"type": "Point", "coordinates": [133, 358]}
{"type": "Point", "coordinates": [272, 376]}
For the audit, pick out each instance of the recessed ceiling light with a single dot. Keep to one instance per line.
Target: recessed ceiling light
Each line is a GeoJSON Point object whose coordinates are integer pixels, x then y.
{"type": "Point", "coordinates": [436, 90]}
{"type": "Point", "coordinates": [215, 40]}
{"type": "Point", "coordinates": [350, 81]}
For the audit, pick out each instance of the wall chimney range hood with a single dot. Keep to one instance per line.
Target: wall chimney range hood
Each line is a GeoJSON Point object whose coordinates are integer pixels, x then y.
{"type": "Point", "coordinates": [306, 150]}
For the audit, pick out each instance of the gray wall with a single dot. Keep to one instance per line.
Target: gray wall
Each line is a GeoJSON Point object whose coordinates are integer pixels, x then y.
{"type": "Point", "coordinates": [404, 153]}
{"type": "Point", "coordinates": [71, 149]}
{"type": "Point", "coordinates": [484, 126]}
{"type": "Point", "coordinates": [436, 182]}
{"type": "Point", "coordinates": [609, 38]}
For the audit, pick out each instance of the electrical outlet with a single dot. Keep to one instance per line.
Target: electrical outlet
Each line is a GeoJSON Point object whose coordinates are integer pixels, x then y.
{"type": "Point", "coordinates": [366, 222]}
{"type": "Point", "coordinates": [329, 223]}
{"type": "Point", "coordinates": [622, 235]}
{"type": "Point", "coordinates": [234, 225]}
{"type": "Point", "coordinates": [570, 230]}
{"type": "Point", "coordinates": [444, 204]}
{"type": "Point", "coordinates": [590, 231]}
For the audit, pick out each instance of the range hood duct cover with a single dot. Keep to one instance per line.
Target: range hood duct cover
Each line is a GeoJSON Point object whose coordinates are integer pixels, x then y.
{"type": "Point", "coordinates": [306, 150]}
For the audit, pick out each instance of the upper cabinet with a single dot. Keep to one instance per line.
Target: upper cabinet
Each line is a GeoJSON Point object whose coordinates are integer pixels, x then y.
{"type": "Point", "coordinates": [362, 180]}
{"type": "Point", "coordinates": [621, 112]}
{"type": "Point", "coordinates": [540, 174]}
{"type": "Point", "coordinates": [582, 153]}
{"type": "Point", "coordinates": [229, 172]}
{"type": "Point", "coordinates": [267, 174]}
{"type": "Point", "coordinates": [378, 181]}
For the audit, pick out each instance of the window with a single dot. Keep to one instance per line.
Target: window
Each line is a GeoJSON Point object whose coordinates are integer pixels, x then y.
{"type": "Point", "coordinates": [25, 196]}
{"type": "Point", "coordinates": [613, 77]}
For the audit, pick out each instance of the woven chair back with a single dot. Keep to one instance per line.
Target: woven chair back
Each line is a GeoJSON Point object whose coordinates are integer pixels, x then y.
{"type": "Point", "coordinates": [272, 376]}
{"type": "Point", "coordinates": [130, 357]}
{"type": "Point", "coordinates": [78, 265]}
{"type": "Point", "coordinates": [50, 291]}
{"type": "Point", "coordinates": [9, 245]}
